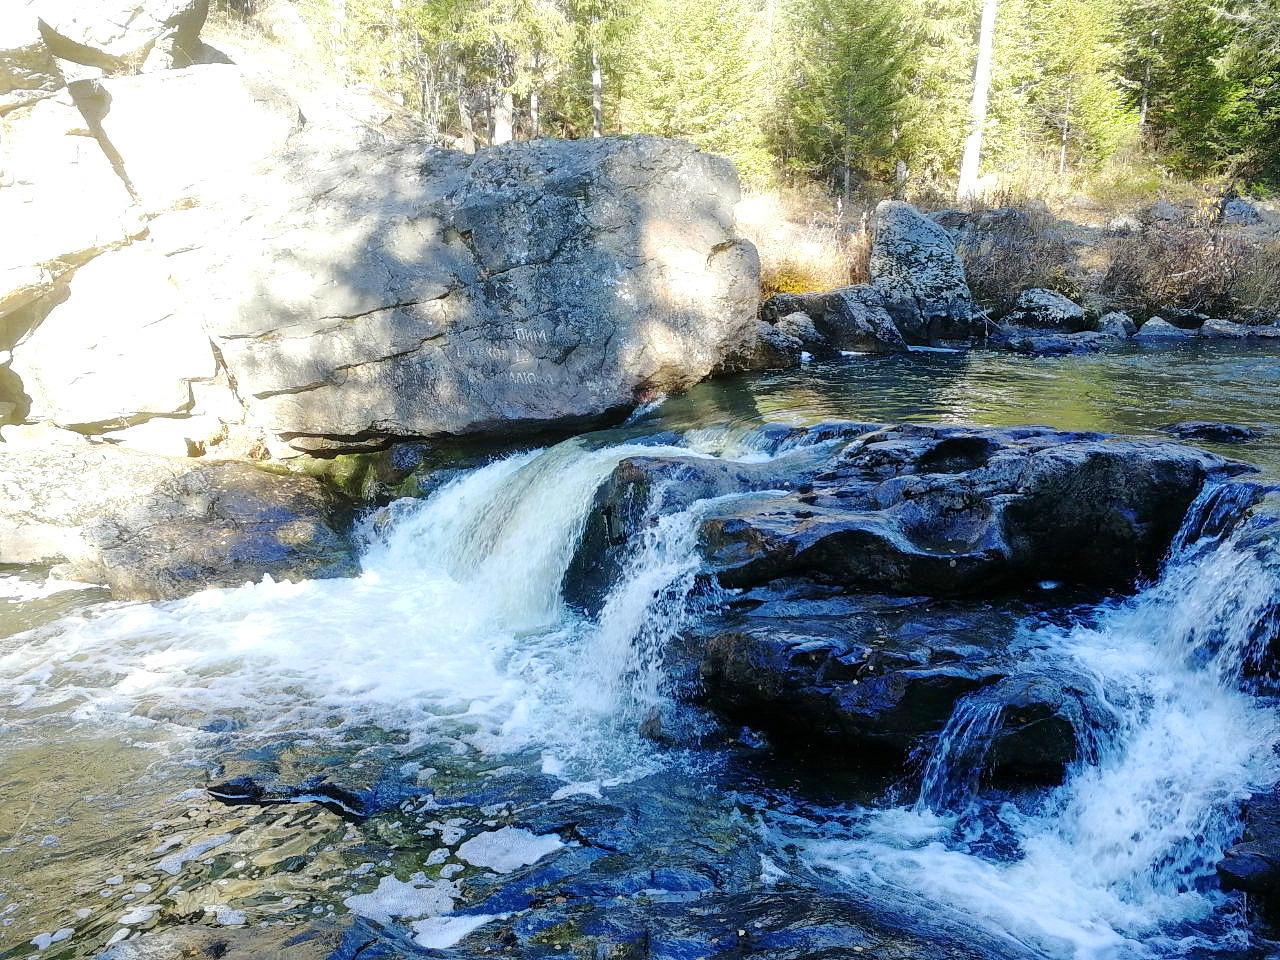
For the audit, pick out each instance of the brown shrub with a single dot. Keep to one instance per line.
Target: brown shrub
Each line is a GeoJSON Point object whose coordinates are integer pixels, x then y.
{"type": "Point", "coordinates": [1008, 250]}
{"type": "Point", "coordinates": [1191, 265]}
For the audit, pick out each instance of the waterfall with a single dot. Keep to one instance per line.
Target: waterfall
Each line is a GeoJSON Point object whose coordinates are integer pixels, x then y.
{"type": "Point", "coordinates": [1119, 861]}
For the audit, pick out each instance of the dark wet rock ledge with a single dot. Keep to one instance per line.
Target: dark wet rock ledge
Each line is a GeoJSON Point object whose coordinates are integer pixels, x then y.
{"type": "Point", "coordinates": [876, 575]}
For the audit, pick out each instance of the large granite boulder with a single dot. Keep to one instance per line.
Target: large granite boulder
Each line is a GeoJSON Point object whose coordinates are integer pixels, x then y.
{"type": "Point", "coordinates": [121, 35]}
{"type": "Point", "coordinates": [118, 349]}
{"type": "Point", "coordinates": [410, 292]}
{"type": "Point", "coordinates": [158, 527]}
{"type": "Point", "coordinates": [915, 267]}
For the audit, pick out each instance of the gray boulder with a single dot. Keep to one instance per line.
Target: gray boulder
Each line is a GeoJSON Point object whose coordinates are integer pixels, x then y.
{"type": "Point", "coordinates": [1240, 212]}
{"type": "Point", "coordinates": [1117, 324]}
{"type": "Point", "coordinates": [1047, 310]}
{"type": "Point", "coordinates": [915, 268]}
{"type": "Point", "coordinates": [120, 35]}
{"type": "Point", "coordinates": [410, 292]}
{"type": "Point", "coordinates": [849, 318]}
{"type": "Point", "coordinates": [1227, 330]}
{"type": "Point", "coordinates": [1159, 330]}
{"type": "Point", "coordinates": [917, 510]}
{"type": "Point", "coordinates": [158, 527]}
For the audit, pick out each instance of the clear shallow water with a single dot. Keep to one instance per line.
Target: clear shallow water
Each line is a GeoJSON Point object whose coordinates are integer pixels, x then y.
{"type": "Point", "coordinates": [451, 665]}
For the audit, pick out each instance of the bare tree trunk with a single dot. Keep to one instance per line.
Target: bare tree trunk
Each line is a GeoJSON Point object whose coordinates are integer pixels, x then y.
{"type": "Point", "coordinates": [464, 112]}
{"type": "Point", "coordinates": [504, 117]}
{"type": "Point", "coordinates": [597, 89]}
{"type": "Point", "coordinates": [971, 162]}
{"type": "Point", "coordinates": [535, 115]}
{"type": "Point", "coordinates": [1146, 95]}
{"type": "Point", "coordinates": [1066, 135]}
{"type": "Point", "coordinates": [397, 49]}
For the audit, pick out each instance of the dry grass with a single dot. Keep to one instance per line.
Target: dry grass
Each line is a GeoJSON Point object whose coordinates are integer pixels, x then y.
{"type": "Point", "coordinates": [806, 243]}
{"type": "Point", "coordinates": [1011, 249]}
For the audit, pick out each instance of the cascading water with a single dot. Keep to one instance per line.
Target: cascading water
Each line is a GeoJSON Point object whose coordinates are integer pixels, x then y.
{"type": "Point", "coordinates": [1119, 861]}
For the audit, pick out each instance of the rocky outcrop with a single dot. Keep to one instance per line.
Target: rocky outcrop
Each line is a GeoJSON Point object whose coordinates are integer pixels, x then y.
{"type": "Point", "coordinates": [159, 527]}
{"type": "Point", "coordinates": [918, 294]}
{"type": "Point", "coordinates": [344, 290]}
{"type": "Point", "coordinates": [121, 35]}
{"type": "Point", "coordinates": [1252, 865]}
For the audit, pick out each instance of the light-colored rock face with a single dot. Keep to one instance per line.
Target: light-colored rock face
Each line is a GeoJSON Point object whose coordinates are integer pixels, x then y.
{"type": "Point", "coordinates": [189, 134]}
{"type": "Point", "coordinates": [416, 292]}
{"type": "Point", "coordinates": [915, 267]}
{"type": "Point", "coordinates": [59, 197]}
{"type": "Point", "coordinates": [1047, 310]}
{"type": "Point", "coordinates": [119, 348]}
{"type": "Point", "coordinates": [28, 70]}
{"type": "Point", "coordinates": [117, 34]}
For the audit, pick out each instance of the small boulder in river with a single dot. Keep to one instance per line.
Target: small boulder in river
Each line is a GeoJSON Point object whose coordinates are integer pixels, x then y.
{"type": "Point", "coordinates": [915, 268]}
{"type": "Point", "coordinates": [155, 527]}
{"type": "Point", "coordinates": [1047, 310]}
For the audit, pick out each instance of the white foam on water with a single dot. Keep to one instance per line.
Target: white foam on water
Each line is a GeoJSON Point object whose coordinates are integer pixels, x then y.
{"type": "Point", "coordinates": [397, 899]}
{"type": "Point", "coordinates": [455, 631]}
{"type": "Point", "coordinates": [505, 849]}
{"type": "Point", "coordinates": [440, 933]}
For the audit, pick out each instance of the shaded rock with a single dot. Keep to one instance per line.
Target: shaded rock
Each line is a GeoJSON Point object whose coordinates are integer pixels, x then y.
{"type": "Point", "coordinates": [412, 293]}
{"type": "Point", "coordinates": [1117, 324]}
{"type": "Point", "coordinates": [157, 527]}
{"type": "Point", "coordinates": [1226, 330]}
{"type": "Point", "coordinates": [1240, 212]}
{"type": "Point", "coordinates": [1211, 431]}
{"type": "Point", "coordinates": [28, 71]}
{"type": "Point", "coordinates": [773, 349]}
{"type": "Point", "coordinates": [119, 35]}
{"type": "Point", "coordinates": [119, 349]}
{"type": "Point", "coordinates": [849, 318]}
{"type": "Point", "coordinates": [866, 672]}
{"type": "Point", "coordinates": [1039, 344]}
{"type": "Point", "coordinates": [915, 268]}
{"type": "Point", "coordinates": [1252, 865]}
{"type": "Point", "coordinates": [1183, 319]}
{"type": "Point", "coordinates": [1047, 310]}
{"type": "Point", "coordinates": [199, 132]}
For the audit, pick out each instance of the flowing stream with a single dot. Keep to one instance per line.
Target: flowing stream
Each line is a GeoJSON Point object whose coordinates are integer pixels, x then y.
{"type": "Point", "coordinates": [451, 688]}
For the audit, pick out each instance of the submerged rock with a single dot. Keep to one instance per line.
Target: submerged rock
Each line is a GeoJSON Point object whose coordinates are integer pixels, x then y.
{"type": "Point", "coordinates": [1211, 431]}
{"type": "Point", "coordinates": [156, 527]}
